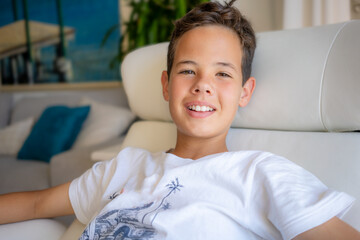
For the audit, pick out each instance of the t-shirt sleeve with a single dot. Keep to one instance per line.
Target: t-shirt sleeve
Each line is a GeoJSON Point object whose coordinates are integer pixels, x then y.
{"type": "Point", "coordinates": [86, 192]}
{"type": "Point", "coordinates": [297, 200]}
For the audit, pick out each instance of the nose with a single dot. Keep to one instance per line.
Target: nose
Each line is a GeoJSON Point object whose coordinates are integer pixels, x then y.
{"type": "Point", "coordinates": [203, 86]}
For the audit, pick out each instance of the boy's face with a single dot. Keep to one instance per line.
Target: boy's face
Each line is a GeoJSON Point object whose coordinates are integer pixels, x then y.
{"type": "Point", "coordinates": [205, 86]}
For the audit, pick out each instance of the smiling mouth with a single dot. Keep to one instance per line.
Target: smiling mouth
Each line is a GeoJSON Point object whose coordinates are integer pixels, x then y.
{"type": "Point", "coordinates": [198, 108]}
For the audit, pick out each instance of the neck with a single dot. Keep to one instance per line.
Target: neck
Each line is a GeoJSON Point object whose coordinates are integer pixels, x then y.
{"type": "Point", "coordinates": [195, 148]}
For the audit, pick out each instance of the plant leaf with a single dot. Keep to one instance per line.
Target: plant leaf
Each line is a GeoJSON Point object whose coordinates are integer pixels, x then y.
{"type": "Point", "coordinates": [108, 33]}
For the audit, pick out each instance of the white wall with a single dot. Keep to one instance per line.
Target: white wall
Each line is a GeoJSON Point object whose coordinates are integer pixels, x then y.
{"type": "Point", "coordinates": [264, 15]}
{"type": "Point", "coordinates": [307, 13]}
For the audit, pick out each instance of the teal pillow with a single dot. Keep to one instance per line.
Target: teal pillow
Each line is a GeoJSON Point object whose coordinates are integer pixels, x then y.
{"type": "Point", "coordinates": [54, 132]}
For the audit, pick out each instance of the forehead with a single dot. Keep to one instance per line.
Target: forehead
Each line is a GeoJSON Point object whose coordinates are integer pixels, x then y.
{"type": "Point", "coordinates": [210, 43]}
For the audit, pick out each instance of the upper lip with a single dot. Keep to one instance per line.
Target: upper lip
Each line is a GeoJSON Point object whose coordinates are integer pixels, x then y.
{"type": "Point", "coordinates": [200, 103]}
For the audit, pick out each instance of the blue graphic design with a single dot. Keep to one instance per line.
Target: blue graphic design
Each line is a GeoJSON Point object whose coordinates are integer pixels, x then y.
{"type": "Point", "coordinates": [172, 187]}
{"type": "Point", "coordinates": [124, 223]}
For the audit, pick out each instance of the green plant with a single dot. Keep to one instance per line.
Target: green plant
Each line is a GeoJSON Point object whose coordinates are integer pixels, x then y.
{"type": "Point", "coordinates": [151, 21]}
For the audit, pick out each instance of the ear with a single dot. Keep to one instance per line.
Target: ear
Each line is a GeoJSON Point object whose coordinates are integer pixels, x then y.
{"type": "Point", "coordinates": [247, 91]}
{"type": "Point", "coordinates": [165, 85]}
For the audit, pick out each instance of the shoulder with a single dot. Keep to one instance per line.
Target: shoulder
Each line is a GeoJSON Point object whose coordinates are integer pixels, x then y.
{"type": "Point", "coordinates": [254, 164]}
{"type": "Point", "coordinates": [265, 160]}
{"type": "Point", "coordinates": [271, 168]}
{"type": "Point", "coordinates": [279, 176]}
{"type": "Point", "coordinates": [260, 159]}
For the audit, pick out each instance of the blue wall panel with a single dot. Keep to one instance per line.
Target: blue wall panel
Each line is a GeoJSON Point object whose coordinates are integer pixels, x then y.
{"type": "Point", "coordinates": [91, 19]}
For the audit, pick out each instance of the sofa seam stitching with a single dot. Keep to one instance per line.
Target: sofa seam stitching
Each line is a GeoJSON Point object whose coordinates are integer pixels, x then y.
{"type": "Point", "coordinates": [323, 73]}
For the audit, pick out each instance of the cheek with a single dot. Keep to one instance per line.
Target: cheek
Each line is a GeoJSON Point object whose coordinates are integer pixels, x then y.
{"type": "Point", "coordinates": [177, 89]}
{"type": "Point", "coordinates": [231, 94]}
{"type": "Point", "coordinates": [173, 92]}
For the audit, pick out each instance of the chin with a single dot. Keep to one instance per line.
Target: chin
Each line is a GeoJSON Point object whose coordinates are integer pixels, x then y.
{"type": "Point", "coordinates": [202, 133]}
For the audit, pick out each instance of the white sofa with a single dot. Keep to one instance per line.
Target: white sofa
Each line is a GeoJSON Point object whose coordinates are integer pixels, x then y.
{"type": "Point", "coordinates": [305, 106]}
{"type": "Point", "coordinates": [16, 106]}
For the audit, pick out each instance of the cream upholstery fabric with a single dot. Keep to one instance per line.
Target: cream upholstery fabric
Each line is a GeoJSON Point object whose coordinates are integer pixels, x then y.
{"type": "Point", "coordinates": [145, 97]}
{"type": "Point", "coordinates": [159, 136]}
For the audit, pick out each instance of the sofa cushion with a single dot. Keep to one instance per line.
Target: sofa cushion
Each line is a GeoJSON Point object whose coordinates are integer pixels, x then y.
{"type": "Point", "coordinates": [35, 106]}
{"type": "Point", "coordinates": [55, 132]}
{"type": "Point", "coordinates": [104, 122]}
{"type": "Point", "coordinates": [151, 135]}
{"type": "Point", "coordinates": [13, 136]}
{"type": "Point", "coordinates": [18, 176]}
{"type": "Point", "coordinates": [33, 103]}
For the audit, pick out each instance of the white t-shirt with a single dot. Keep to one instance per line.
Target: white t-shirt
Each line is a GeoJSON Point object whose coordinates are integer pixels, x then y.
{"type": "Point", "coordinates": [231, 195]}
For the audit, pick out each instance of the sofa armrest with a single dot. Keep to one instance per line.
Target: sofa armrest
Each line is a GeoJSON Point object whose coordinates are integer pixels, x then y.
{"type": "Point", "coordinates": [74, 231]}
{"type": "Point", "coordinates": [66, 166]}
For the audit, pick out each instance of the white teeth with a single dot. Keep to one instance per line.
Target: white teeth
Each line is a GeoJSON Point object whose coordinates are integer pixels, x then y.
{"type": "Point", "coordinates": [198, 108]}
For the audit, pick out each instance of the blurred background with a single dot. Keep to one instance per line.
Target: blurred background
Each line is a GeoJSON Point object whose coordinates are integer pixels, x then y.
{"type": "Point", "coordinates": [74, 41]}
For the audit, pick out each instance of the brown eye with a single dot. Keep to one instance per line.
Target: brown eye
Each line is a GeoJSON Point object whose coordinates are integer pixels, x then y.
{"type": "Point", "coordinates": [186, 72]}
{"type": "Point", "coordinates": [222, 74]}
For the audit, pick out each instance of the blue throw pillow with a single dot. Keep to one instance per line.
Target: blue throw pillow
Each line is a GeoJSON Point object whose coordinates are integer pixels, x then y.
{"type": "Point", "coordinates": [55, 132]}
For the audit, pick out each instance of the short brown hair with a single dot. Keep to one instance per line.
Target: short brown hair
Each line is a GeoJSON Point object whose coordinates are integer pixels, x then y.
{"type": "Point", "coordinates": [214, 13]}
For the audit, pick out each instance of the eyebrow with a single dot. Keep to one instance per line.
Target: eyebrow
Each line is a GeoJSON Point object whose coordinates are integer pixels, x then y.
{"type": "Point", "coordinates": [186, 62]}
{"type": "Point", "coordinates": [226, 64]}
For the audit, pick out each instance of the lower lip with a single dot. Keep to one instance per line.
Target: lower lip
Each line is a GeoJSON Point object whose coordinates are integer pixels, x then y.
{"type": "Point", "coordinates": [195, 114]}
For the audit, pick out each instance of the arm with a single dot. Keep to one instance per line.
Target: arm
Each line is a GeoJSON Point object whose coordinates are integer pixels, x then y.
{"type": "Point", "coordinates": [46, 203]}
{"type": "Point", "coordinates": [332, 229]}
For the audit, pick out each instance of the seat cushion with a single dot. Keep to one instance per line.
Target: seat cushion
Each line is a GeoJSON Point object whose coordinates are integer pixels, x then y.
{"type": "Point", "coordinates": [18, 175]}
{"type": "Point", "coordinates": [39, 229]}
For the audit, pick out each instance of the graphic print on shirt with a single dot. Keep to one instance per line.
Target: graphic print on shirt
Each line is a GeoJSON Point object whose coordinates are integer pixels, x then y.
{"type": "Point", "coordinates": [115, 194]}
{"type": "Point", "coordinates": [129, 223]}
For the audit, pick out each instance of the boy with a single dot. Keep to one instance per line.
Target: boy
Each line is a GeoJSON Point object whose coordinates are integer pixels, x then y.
{"type": "Point", "coordinates": [198, 190]}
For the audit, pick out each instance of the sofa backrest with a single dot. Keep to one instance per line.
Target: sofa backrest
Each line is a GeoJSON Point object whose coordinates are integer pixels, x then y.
{"type": "Point", "coordinates": [23, 104]}
{"type": "Point", "coordinates": [307, 80]}
{"type": "Point", "coordinates": [305, 106]}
